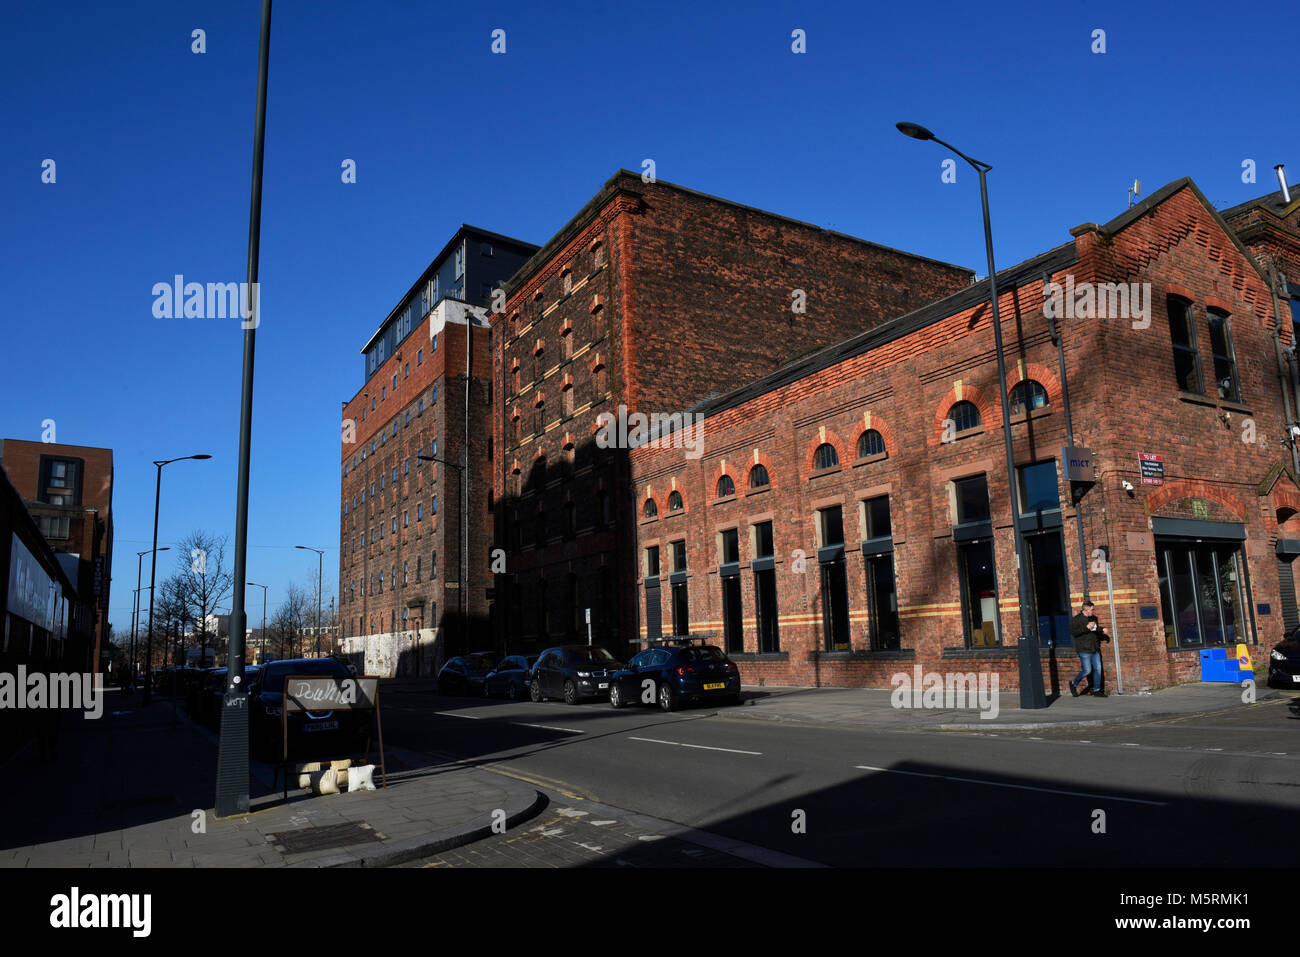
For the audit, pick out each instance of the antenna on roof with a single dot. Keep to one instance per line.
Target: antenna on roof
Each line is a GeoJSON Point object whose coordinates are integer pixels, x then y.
{"type": "Point", "coordinates": [1280, 169]}
{"type": "Point", "coordinates": [1134, 191]}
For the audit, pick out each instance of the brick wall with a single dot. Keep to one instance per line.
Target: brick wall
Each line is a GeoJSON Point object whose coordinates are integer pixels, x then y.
{"type": "Point", "coordinates": [1124, 401]}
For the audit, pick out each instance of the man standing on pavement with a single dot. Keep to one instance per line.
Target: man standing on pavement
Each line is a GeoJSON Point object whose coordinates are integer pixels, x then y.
{"type": "Point", "coordinates": [1088, 636]}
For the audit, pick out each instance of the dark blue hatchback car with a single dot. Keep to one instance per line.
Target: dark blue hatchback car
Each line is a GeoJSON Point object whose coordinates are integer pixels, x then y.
{"type": "Point", "coordinates": [670, 676]}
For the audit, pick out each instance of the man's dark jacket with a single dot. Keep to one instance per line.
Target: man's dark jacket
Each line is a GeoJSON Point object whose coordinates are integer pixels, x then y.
{"type": "Point", "coordinates": [1085, 640]}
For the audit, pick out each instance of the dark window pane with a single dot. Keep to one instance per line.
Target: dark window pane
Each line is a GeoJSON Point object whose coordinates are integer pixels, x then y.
{"type": "Point", "coordinates": [1038, 487]}
{"type": "Point", "coordinates": [763, 540]}
{"type": "Point", "coordinates": [832, 526]}
{"type": "Point", "coordinates": [730, 546]}
{"type": "Point", "coordinates": [825, 457]}
{"type": "Point", "coordinates": [877, 510]}
{"type": "Point", "coordinates": [871, 443]}
{"type": "Point", "coordinates": [972, 499]}
{"type": "Point", "coordinates": [758, 477]}
{"type": "Point", "coordinates": [965, 416]}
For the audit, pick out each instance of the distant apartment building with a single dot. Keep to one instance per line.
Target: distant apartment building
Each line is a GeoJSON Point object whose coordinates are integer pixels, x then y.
{"type": "Point", "coordinates": [404, 602]}
{"type": "Point", "coordinates": [652, 299]}
{"type": "Point", "coordinates": [69, 491]}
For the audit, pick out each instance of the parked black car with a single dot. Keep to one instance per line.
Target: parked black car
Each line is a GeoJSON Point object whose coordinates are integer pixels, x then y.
{"type": "Point", "coordinates": [465, 675]}
{"type": "Point", "coordinates": [336, 732]}
{"type": "Point", "coordinates": [573, 672]}
{"type": "Point", "coordinates": [511, 677]}
{"type": "Point", "coordinates": [1284, 662]}
{"type": "Point", "coordinates": [670, 676]}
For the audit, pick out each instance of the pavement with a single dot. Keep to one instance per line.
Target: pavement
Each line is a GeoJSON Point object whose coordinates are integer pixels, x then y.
{"type": "Point", "coordinates": [875, 708]}
{"type": "Point", "coordinates": [135, 788]}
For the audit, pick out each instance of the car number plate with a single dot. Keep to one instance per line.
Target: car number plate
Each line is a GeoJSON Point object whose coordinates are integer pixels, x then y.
{"type": "Point", "coordinates": [1296, 678]}
{"type": "Point", "coordinates": [604, 684]}
{"type": "Point", "coordinates": [715, 687]}
{"type": "Point", "coordinates": [321, 726]}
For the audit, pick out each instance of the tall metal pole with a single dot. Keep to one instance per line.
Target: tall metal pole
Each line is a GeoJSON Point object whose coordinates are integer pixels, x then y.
{"type": "Point", "coordinates": [232, 756]}
{"type": "Point", "coordinates": [1031, 672]}
{"type": "Point", "coordinates": [153, 572]}
{"type": "Point", "coordinates": [464, 482]}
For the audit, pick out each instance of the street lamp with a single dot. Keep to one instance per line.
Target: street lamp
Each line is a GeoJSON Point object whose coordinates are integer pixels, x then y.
{"type": "Point", "coordinates": [263, 587]}
{"type": "Point", "coordinates": [1031, 673]}
{"type": "Point", "coordinates": [462, 597]}
{"type": "Point", "coordinates": [232, 749]}
{"type": "Point", "coordinates": [139, 567]}
{"type": "Point", "coordinates": [153, 573]}
{"type": "Point", "coordinates": [320, 558]}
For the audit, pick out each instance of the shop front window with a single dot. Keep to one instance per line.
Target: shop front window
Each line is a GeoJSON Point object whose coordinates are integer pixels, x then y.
{"type": "Point", "coordinates": [1200, 593]}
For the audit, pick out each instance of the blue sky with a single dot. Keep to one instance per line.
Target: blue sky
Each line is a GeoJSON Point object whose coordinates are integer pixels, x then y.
{"type": "Point", "coordinates": [153, 143]}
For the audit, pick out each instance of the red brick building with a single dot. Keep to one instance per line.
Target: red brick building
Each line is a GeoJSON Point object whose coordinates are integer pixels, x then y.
{"type": "Point", "coordinates": [851, 513]}
{"type": "Point", "coordinates": [652, 298]}
{"type": "Point", "coordinates": [404, 558]}
{"type": "Point", "coordinates": [68, 489]}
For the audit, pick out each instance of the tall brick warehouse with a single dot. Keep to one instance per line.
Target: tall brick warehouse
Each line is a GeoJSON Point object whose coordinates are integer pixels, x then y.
{"type": "Point", "coordinates": [851, 515]}
{"type": "Point", "coordinates": [403, 601]}
{"type": "Point", "coordinates": [652, 298]}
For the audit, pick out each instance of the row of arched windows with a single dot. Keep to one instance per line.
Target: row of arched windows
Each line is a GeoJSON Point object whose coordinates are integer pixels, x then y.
{"type": "Point", "coordinates": [1026, 396]}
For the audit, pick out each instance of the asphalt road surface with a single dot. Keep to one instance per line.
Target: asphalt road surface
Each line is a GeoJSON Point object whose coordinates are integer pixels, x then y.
{"type": "Point", "coordinates": [1213, 790]}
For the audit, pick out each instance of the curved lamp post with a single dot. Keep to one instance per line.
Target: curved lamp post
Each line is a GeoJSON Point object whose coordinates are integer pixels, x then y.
{"type": "Point", "coordinates": [153, 573]}
{"type": "Point", "coordinates": [1031, 673]}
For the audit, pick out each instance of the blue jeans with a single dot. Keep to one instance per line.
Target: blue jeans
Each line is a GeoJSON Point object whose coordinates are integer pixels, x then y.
{"type": "Point", "coordinates": [1091, 664]}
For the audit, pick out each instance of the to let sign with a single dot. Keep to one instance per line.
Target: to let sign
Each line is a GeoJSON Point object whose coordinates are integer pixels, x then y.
{"type": "Point", "coordinates": [1152, 468]}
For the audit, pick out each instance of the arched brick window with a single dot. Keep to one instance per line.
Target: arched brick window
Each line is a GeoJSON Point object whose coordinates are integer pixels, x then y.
{"type": "Point", "coordinates": [726, 486]}
{"type": "Point", "coordinates": [1028, 395]}
{"type": "Point", "coordinates": [825, 457]}
{"type": "Point", "coordinates": [758, 477]}
{"type": "Point", "coordinates": [965, 416]}
{"type": "Point", "coordinates": [871, 443]}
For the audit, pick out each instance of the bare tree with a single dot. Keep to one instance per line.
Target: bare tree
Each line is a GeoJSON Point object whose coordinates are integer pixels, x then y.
{"type": "Point", "coordinates": [297, 611]}
{"type": "Point", "coordinates": [170, 615]}
{"type": "Point", "coordinates": [205, 583]}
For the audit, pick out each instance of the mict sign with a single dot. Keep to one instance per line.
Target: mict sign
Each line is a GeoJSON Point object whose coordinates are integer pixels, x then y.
{"type": "Point", "coordinates": [1079, 463]}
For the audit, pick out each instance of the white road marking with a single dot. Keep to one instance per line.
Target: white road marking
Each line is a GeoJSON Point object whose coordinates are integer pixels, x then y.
{"type": "Point", "coordinates": [1020, 787]}
{"type": "Point", "coordinates": [453, 714]}
{"type": "Point", "coordinates": [546, 727]}
{"type": "Point", "coordinates": [651, 837]}
{"type": "Point", "coordinates": [573, 812]}
{"type": "Point", "coordinates": [702, 747]}
{"type": "Point", "coordinates": [602, 823]}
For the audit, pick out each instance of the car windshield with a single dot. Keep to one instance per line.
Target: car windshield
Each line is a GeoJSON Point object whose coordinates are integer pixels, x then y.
{"type": "Point", "coordinates": [481, 662]}
{"type": "Point", "coordinates": [274, 676]}
{"type": "Point", "coordinates": [599, 655]}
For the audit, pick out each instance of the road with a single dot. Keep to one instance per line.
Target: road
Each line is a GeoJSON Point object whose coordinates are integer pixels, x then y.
{"type": "Point", "coordinates": [1211, 790]}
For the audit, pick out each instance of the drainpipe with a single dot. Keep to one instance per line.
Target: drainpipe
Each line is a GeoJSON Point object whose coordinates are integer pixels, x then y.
{"type": "Point", "coordinates": [1059, 340]}
{"type": "Point", "coordinates": [1286, 359]}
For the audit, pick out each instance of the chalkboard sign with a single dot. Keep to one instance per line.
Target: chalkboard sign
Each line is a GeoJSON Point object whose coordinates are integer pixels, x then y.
{"type": "Point", "coordinates": [317, 693]}
{"type": "Point", "coordinates": [329, 693]}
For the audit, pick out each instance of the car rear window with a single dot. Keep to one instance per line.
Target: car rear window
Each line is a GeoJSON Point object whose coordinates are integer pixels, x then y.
{"type": "Point", "coordinates": [703, 654]}
{"type": "Point", "coordinates": [325, 666]}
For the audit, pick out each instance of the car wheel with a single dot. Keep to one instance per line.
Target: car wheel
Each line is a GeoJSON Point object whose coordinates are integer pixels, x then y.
{"type": "Point", "coordinates": [667, 699]}
{"type": "Point", "coordinates": [535, 691]}
{"type": "Point", "coordinates": [615, 696]}
{"type": "Point", "coordinates": [570, 693]}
